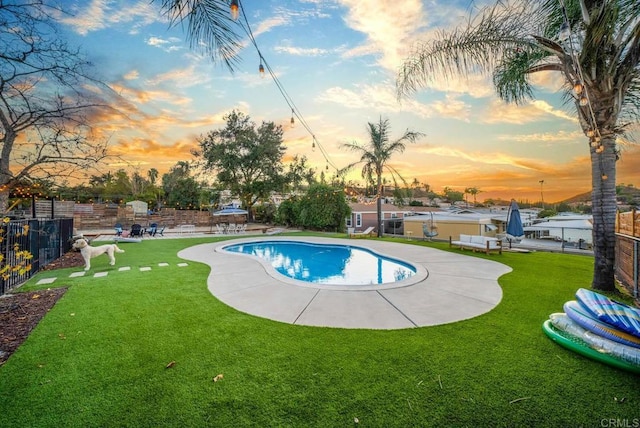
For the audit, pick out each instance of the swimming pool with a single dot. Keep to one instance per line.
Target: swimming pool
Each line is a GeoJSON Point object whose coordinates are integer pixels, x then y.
{"type": "Point", "coordinates": [330, 264]}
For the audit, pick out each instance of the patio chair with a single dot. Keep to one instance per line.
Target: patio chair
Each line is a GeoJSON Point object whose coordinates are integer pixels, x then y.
{"type": "Point", "coordinates": [367, 232]}
{"type": "Point", "coordinates": [153, 228]}
{"type": "Point", "coordinates": [136, 230]}
{"type": "Point", "coordinates": [160, 231]}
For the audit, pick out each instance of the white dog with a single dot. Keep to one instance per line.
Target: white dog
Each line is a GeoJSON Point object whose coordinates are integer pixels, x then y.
{"type": "Point", "coordinates": [88, 252]}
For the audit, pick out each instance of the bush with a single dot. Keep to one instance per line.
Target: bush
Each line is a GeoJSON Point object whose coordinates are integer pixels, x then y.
{"type": "Point", "coordinates": [322, 208]}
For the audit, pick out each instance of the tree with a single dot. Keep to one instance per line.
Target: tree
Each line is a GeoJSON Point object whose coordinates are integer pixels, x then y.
{"type": "Point", "coordinates": [47, 99]}
{"type": "Point", "coordinates": [246, 160]}
{"type": "Point", "coordinates": [473, 191]}
{"type": "Point", "coordinates": [181, 190]}
{"type": "Point", "coordinates": [119, 188]}
{"type": "Point", "coordinates": [152, 175]}
{"type": "Point", "coordinates": [415, 185]}
{"type": "Point", "coordinates": [594, 45]}
{"type": "Point", "coordinates": [375, 156]}
{"type": "Point", "coordinates": [298, 172]}
{"type": "Point", "coordinates": [452, 195]}
{"type": "Point", "coordinates": [324, 207]}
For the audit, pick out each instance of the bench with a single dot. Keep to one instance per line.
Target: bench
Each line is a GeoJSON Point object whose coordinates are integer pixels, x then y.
{"type": "Point", "coordinates": [477, 243]}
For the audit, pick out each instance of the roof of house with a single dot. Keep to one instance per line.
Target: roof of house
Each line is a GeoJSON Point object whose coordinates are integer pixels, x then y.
{"type": "Point", "coordinates": [365, 208]}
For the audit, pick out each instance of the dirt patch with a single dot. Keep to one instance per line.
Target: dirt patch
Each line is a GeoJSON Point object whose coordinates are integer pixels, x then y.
{"type": "Point", "coordinates": [21, 312]}
{"type": "Point", "coordinates": [70, 259]}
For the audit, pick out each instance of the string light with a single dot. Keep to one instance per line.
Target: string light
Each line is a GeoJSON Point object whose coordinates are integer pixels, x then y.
{"type": "Point", "coordinates": [234, 6]}
{"type": "Point", "coordinates": [565, 34]}
{"type": "Point", "coordinates": [578, 87]}
{"type": "Point", "coordinates": [294, 110]}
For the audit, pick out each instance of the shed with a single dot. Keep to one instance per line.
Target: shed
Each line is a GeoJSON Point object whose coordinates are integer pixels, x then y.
{"type": "Point", "coordinates": [139, 207]}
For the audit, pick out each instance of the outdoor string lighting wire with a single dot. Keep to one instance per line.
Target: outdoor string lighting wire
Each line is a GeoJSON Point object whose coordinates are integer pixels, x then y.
{"type": "Point", "coordinates": [294, 109]}
{"type": "Point", "coordinates": [578, 69]}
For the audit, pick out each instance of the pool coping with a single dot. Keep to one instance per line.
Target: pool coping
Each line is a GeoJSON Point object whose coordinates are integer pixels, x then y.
{"type": "Point", "coordinates": [454, 287]}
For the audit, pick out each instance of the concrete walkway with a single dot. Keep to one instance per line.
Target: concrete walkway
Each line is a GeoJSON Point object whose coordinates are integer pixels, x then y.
{"type": "Point", "coordinates": [448, 287]}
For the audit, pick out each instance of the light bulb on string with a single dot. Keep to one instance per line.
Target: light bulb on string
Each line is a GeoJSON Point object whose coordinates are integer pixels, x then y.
{"type": "Point", "coordinates": [583, 101]}
{"type": "Point", "coordinates": [293, 122]}
{"type": "Point", "coordinates": [261, 69]}
{"type": "Point", "coordinates": [578, 87]}
{"type": "Point", "coordinates": [234, 9]}
{"type": "Point", "coordinates": [590, 133]}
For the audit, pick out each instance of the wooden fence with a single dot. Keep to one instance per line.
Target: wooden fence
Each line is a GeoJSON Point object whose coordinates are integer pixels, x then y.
{"type": "Point", "coordinates": [104, 216]}
{"type": "Point", "coordinates": [627, 251]}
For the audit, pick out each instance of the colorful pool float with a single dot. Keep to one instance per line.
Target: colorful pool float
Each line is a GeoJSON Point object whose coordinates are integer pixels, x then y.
{"type": "Point", "coordinates": [581, 316]}
{"type": "Point", "coordinates": [618, 315]}
{"type": "Point", "coordinates": [581, 347]}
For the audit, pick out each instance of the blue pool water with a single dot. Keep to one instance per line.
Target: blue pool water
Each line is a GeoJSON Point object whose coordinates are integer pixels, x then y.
{"type": "Point", "coordinates": [327, 263]}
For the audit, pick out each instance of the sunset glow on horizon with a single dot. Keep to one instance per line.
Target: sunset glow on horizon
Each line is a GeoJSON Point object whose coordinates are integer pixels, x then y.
{"type": "Point", "coordinates": [337, 60]}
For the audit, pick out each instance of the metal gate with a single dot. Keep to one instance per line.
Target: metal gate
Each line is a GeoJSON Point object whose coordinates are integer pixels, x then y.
{"type": "Point", "coordinates": [28, 245]}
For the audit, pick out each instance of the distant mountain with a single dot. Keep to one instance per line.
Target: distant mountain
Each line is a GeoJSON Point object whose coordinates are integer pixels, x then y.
{"type": "Point", "coordinates": [578, 199]}
{"type": "Point", "coordinates": [626, 195]}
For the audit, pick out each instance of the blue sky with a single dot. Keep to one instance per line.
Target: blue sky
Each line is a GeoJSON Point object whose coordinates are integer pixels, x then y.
{"type": "Point", "coordinates": [337, 60]}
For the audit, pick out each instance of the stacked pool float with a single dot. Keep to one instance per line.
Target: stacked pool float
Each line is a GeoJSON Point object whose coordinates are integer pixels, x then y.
{"type": "Point", "coordinates": [598, 328]}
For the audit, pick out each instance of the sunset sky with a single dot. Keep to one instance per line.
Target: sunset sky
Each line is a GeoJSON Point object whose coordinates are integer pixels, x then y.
{"type": "Point", "coordinates": [337, 60]}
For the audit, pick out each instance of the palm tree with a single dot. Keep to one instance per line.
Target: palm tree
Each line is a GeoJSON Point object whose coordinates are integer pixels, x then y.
{"type": "Point", "coordinates": [209, 26]}
{"type": "Point", "coordinates": [473, 191]}
{"type": "Point", "coordinates": [152, 175]}
{"type": "Point", "coordinates": [374, 157]}
{"type": "Point", "coordinates": [598, 54]}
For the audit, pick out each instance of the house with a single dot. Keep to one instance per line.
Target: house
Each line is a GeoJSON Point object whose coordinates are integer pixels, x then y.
{"type": "Point", "coordinates": [364, 215]}
{"type": "Point", "coordinates": [564, 227]}
{"type": "Point", "coordinates": [453, 223]}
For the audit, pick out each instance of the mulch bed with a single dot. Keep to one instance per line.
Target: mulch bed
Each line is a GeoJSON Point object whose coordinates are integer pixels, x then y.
{"type": "Point", "coordinates": [20, 313]}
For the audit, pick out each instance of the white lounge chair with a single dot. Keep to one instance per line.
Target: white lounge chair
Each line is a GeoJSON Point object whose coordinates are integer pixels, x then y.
{"type": "Point", "coordinates": [367, 232]}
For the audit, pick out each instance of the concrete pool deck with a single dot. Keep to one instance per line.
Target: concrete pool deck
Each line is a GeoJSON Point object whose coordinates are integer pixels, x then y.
{"type": "Point", "coordinates": [448, 287]}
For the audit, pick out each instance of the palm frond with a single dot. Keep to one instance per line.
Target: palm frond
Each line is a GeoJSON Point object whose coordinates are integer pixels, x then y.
{"type": "Point", "coordinates": [477, 47]}
{"type": "Point", "coordinates": [209, 27]}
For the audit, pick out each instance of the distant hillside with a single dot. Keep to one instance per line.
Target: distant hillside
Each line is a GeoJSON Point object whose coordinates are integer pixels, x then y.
{"type": "Point", "coordinates": [578, 199]}
{"type": "Point", "coordinates": [626, 195]}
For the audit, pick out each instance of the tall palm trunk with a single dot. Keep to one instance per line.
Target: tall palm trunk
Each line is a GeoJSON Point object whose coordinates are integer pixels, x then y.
{"type": "Point", "coordinates": [379, 202]}
{"type": "Point", "coordinates": [603, 181]}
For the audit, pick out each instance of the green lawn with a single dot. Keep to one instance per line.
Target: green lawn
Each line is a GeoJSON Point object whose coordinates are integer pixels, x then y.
{"type": "Point", "coordinates": [99, 359]}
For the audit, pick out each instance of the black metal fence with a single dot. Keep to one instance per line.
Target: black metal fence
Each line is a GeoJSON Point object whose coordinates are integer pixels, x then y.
{"type": "Point", "coordinates": [43, 240]}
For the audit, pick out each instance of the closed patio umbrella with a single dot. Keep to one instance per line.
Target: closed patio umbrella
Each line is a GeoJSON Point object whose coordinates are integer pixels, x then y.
{"type": "Point", "coordinates": [515, 231]}
{"type": "Point", "coordinates": [230, 211]}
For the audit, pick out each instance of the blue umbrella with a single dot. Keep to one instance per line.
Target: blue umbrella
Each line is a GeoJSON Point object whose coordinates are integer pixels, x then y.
{"type": "Point", "coordinates": [515, 231]}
